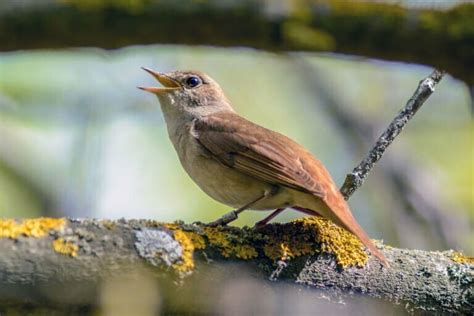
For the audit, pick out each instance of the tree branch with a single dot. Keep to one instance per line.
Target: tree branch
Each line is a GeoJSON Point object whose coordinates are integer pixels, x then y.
{"type": "Point", "coordinates": [356, 178]}
{"type": "Point", "coordinates": [312, 251]}
{"type": "Point", "coordinates": [87, 251]}
{"type": "Point", "coordinates": [378, 30]}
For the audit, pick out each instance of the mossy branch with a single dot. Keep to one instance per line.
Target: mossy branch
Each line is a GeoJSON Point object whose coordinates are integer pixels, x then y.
{"type": "Point", "coordinates": [440, 38]}
{"type": "Point", "coordinates": [311, 251]}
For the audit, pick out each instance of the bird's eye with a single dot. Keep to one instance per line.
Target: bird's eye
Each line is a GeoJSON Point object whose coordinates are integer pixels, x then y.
{"type": "Point", "coordinates": [193, 81]}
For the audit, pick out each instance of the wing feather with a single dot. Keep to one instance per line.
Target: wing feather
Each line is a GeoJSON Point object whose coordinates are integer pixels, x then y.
{"type": "Point", "coordinates": [257, 152]}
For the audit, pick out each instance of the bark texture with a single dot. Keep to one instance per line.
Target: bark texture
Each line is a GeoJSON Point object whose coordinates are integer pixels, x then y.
{"type": "Point", "coordinates": [88, 251]}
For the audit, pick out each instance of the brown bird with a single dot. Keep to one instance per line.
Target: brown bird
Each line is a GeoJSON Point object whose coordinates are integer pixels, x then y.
{"type": "Point", "coordinates": [242, 164]}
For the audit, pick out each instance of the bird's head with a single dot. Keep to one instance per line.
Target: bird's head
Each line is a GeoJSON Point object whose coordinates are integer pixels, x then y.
{"type": "Point", "coordinates": [193, 92]}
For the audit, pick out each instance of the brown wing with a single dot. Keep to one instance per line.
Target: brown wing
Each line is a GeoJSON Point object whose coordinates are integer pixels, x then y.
{"type": "Point", "coordinates": [257, 151]}
{"type": "Point", "coordinates": [276, 159]}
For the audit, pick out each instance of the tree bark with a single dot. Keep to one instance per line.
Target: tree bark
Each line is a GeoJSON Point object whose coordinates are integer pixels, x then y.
{"type": "Point", "coordinates": [88, 251]}
{"type": "Point", "coordinates": [441, 38]}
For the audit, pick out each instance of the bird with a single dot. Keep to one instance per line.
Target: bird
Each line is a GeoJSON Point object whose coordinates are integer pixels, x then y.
{"type": "Point", "coordinates": [242, 164]}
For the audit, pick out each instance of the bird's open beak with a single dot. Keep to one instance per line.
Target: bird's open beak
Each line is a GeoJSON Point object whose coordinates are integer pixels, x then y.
{"type": "Point", "coordinates": [168, 83]}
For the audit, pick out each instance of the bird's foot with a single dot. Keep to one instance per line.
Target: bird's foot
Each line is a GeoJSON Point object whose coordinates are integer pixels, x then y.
{"type": "Point", "coordinates": [267, 219]}
{"type": "Point", "coordinates": [225, 219]}
{"type": "Point", "coordinates": [260, 224]}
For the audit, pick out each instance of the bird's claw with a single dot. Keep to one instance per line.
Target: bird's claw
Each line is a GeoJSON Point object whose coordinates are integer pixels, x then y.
{"type": "Point", "coordinates": [259, 225]}
{"type": "Point", "coordinates": [225, 219]}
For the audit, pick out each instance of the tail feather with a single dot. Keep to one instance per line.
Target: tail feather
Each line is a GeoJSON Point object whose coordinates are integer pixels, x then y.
{"type": "Point", "coordinates": [342, 216]}
{"type": "Point", "coordinates": [355, 228]}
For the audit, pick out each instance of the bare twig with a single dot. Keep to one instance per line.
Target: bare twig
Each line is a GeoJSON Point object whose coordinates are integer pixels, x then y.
{"type": "Point", "coordinates": [422, 206]}
{"type": "Point", "coordinates": [356, 178]}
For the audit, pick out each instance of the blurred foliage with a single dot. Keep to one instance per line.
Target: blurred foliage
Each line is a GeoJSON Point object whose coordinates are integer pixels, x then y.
{"type": "Point", "coordinates": [378, 29]}
{"type": "Point", "coordinates": [16, 197]}
{"type": "Point", "coordinates": [128, 5]}
{"type": "Point", "coordinates": [307, 37]}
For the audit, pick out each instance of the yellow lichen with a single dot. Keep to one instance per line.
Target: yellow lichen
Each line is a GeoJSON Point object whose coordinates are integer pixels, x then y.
{"type": "Point", "coordinates": [346, 247]}
{"type": "Point", "coordinates": [36, 227]}
{"type": "Point", "coordinates": [305, 236]}
{"type": "Point", "coordinates": [188, 241]}
{"type": "Point", "coordinates": [187, 260]}
{"type": "Point", "coordinates": [461, 258]}
{"type": "Point", "coordinates": [169, 225]}
{"type": "Point", "coordinates": [286, 252]}
{"type": "Point", "coordinates": [285, 247]}
{"type": "Point", "coordinates": [281, 250]}
{"type": "Point", "coordinates": [299, 238]}
{"type": "Point", "coordinates": [218, 239]}
{"type": "Point", "coordinates": [289, 243]}
{"type": "Point", "coordinates": [65, 247]}
{"type": "Point", "coordinates": [108, 224]}
{"type": "Point", "coordinates": [196, 239]}
{"type": "Point", "coordinates": [230, 244]}
{"type": "Point", "coordinates": [245, 251]}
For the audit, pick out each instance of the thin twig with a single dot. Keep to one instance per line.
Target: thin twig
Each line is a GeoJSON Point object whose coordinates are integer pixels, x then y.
{"type": "Point", "coordinates": [424, 207]}
{"type": "Point", "coordinates": [356, 178]}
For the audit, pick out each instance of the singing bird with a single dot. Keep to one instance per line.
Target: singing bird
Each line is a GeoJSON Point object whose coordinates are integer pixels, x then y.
{"type": "Point", "coordinates": [242, 164]}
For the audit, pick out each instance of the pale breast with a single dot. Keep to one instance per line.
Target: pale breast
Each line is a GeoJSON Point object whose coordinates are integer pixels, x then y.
{"type": "Point", "coordinates": [222, 183]}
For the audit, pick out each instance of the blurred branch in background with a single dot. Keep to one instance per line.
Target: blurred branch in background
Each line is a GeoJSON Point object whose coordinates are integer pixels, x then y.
{"type": "Point", "coordinates": [440, 38]}
{"type": "Point", "coordinates": [405, 184]}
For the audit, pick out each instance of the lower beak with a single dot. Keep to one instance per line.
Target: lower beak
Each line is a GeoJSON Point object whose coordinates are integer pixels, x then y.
{"type": "Point", "coordinates": [168, 83]}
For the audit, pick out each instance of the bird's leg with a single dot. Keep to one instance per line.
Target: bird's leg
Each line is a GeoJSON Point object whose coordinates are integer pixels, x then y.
{"type": "Point", "coordinates": [234, 214]}
{"type": "Point", "coordinates": [306, 211]}
{"type": "Point", "coordinates": [265, 221]}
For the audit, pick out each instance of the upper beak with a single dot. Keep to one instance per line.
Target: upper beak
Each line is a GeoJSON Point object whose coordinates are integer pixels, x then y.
{"type": "Point", "coordinates": [168, 83]}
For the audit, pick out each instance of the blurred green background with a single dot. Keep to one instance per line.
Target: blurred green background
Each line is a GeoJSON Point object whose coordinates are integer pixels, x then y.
{"type": "Point", "coordinates": [78, 139]}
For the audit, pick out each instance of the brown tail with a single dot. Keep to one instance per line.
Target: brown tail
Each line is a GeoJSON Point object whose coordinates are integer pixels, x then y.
{"type": "Point", "coordinates": [342, 216]}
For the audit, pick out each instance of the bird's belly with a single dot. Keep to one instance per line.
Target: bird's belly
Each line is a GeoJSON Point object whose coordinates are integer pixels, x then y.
{"type": "Point", "coordinates": [223, 183]}
{"type": "Point", "coordinates": [231, 187]}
